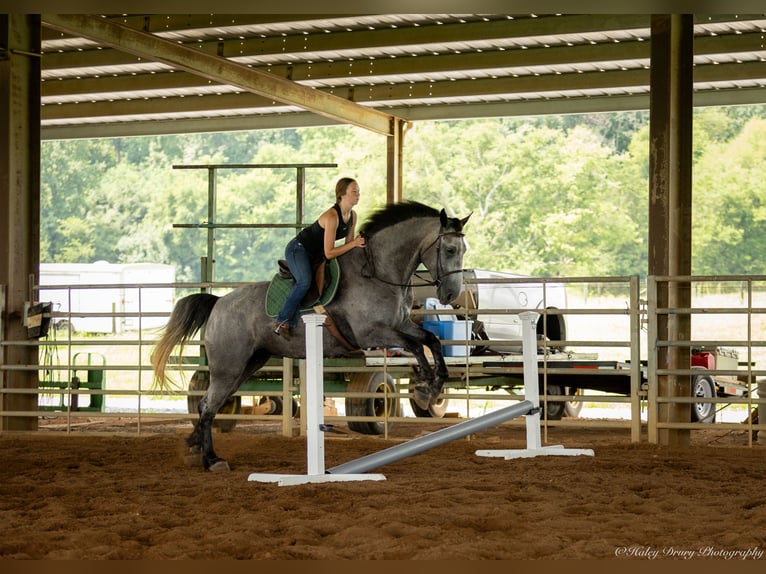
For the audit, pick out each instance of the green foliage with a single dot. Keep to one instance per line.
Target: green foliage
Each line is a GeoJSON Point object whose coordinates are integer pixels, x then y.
{"type": "Point", "coordinates": [545, 201]}
{"type": "Point", "coordinates": [550, 196]}
{"type": "Point", "coordinates": [730, 205]}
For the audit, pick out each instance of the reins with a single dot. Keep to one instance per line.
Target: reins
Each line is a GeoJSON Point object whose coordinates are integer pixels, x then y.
{"type": "Point", "coordinates": [439, 275]}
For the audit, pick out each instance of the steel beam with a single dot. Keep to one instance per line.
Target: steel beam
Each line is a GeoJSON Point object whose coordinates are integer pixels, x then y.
{"type": "Point", "coordinates": [220, 70]}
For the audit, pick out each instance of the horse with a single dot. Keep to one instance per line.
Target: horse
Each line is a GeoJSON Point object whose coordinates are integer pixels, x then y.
{"type": "Point", "coordinates": [371, 310]}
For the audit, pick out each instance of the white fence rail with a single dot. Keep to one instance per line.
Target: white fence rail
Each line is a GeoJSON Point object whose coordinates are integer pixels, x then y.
{"type": "Point", "coordinates": [86, 377]}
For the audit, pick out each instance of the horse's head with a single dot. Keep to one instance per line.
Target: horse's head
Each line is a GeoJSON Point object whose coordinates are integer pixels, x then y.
{"type": "Point", "coordinates": [444, 258]}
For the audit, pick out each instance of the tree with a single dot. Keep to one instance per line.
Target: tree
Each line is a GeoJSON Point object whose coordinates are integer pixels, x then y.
{"type": "Point", "coordinates": [729, 217]}
{"type": "Point", "coordinates": [545, 202]}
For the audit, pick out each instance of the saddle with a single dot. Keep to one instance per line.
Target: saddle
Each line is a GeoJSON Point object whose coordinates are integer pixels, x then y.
{"type": "Point", "coordinates": [321, 292]}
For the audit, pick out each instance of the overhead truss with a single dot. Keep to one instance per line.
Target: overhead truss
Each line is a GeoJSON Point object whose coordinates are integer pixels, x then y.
{"type": "Point", "coordinates": [124, 75]}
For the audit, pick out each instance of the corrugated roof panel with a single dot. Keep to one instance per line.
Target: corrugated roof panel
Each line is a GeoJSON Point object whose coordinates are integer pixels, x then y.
{"type": "Point", "coordinates": [361, 54]}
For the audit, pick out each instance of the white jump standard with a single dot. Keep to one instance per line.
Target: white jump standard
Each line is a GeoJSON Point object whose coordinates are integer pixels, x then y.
{"type": "Point", "coordinates": [532, 394]}
{"type": "Point", "coordinates": [314, 418]}
{"type": "Point", "coordinates": [357, 469]}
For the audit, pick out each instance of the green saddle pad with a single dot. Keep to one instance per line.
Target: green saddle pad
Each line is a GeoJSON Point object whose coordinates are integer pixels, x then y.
{"type": "Point", "coordinates": [280, 287]}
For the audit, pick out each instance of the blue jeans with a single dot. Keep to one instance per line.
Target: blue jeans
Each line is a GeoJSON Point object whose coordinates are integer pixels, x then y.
{"type": "Point", "coordinates": [300, 266]}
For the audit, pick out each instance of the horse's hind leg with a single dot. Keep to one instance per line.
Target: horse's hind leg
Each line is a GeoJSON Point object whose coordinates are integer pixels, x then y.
{"type": "Point", "coordinates": [194, 442]}
{"type": "Point", "coordinates": [209, 406]}
{"type": "Point", "coordinates": [223, 384]}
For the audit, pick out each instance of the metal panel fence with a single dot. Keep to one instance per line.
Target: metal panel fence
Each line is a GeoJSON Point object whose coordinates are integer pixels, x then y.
{"type": "Point", "coordinates": [727, 313]}
{"type": "Point", "coordinates": [603, 363]}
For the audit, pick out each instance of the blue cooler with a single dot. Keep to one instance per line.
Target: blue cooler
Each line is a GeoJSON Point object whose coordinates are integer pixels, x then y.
{"type": "Point", "coordinates": [455, 330]}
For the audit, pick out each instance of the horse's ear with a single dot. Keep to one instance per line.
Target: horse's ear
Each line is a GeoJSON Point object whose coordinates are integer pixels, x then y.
{"type": "Point", "coordinates": [465, 219]}
{"type": "Point", "coordinates": [443, 217]}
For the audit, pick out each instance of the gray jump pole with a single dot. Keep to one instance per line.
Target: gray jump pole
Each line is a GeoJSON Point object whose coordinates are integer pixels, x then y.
{"type": "Point", "coordinates": [357, 469]}
{"type": "Point", "coordinates": [436, 438]}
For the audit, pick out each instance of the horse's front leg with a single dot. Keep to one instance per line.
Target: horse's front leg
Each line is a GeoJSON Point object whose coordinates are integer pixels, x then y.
{"type": "Point", "coordinates": [428, 382]}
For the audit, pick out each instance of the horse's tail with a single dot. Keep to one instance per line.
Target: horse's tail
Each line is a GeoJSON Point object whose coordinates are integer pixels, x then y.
{"type": "Point", "coordinates": [189, 315]}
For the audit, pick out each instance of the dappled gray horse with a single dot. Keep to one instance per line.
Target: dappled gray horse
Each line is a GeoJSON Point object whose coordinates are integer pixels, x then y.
{"type": "Point", "coordinates": [371, 310]}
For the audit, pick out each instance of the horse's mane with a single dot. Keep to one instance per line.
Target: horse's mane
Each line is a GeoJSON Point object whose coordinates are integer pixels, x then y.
{"type": "Point", "coordinates": [394, 213]}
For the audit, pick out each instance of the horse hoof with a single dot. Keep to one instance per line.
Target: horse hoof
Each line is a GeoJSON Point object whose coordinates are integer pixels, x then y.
{"type": "Point", "coordinates": [422, 398]}
{"type": "Point", "coordinates": [219, 466]}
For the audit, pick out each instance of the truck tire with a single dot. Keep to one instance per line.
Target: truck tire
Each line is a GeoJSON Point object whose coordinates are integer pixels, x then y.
{"type": "Point", "coordinates": [479, 333]}
{"type": "Point", "coordinates": [371, 407]}
{"type": "Point", "coordinates": [555, 329]}
{"type": "Point", "coordinates": [199, 382]}
{"type": "Point", "coordinates": [552, 411]}
{"type": "Point", "coordinates": [703, 387]}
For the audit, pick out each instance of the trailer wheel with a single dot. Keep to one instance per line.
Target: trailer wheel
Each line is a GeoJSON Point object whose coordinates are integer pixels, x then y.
{"type": "Point", "coordinates": [436, 410]}
{"type": "Point", "coordinates": [276, 405]}
{"type": "Point", "coordinates": [199, 382]}
{"type": "Point", "coordinates": [553, 411]}
{"type": "Point", "coordinates": [379, 383]}
{"type": "Point", "coordinates": [703, 387]}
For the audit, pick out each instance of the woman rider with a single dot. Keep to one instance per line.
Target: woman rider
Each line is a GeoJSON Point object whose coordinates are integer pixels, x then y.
{"type": "Point", "coordinates": [317, 242]}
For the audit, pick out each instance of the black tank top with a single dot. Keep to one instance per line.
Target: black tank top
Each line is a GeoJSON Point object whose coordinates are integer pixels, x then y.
{"type": "Point", "coordinates": [312, 237]}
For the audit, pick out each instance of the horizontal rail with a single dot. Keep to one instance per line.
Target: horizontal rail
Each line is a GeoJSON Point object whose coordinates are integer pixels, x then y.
{"type": "Point", "coordinates": [461, 391]}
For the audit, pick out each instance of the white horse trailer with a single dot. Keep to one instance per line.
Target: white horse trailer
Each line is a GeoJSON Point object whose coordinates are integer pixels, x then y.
{"type": "Point", "coordinates": [82, 305]}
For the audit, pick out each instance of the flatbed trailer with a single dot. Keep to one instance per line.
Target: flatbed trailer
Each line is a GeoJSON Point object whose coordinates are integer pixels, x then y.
{"type": "Point", "coordinates": [377, 371]}
{"type": "Point", "coordinates": [562, 376]}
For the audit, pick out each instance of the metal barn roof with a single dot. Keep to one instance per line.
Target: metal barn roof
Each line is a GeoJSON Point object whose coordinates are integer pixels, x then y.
{"type": "Point", "coordinates": [413, 66]}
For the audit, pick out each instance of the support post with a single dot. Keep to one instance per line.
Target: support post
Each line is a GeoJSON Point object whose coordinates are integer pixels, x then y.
{"type": "Point", "coordinates": [19, 208]}
{"type": "Point", "coordinates": [532, 396]}
{"type": "Point", "coordinates": [394, 160]}
{"type": "Point", "coordinates": [287, 396]}
{"type": "Point", "coordinates": [670, 161]}
{"type": "Point", "coordinates": [312, 406]}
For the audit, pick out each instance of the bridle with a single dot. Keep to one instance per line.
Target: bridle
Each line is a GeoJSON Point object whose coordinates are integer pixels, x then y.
{"type": "Point", "coordinates": [437, 242]}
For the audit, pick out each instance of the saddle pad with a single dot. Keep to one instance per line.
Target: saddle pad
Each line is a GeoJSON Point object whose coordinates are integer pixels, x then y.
{"type": "Point", "coordinates": [280, 287]}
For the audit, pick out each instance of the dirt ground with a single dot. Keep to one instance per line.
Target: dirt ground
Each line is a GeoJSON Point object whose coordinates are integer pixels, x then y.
{"type": "Point", "coordinates": [91, 495]}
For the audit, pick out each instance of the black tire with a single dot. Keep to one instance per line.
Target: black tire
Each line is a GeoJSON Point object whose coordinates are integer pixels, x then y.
{"type": "Point", "coordinates": [371, 407]}
{"type": "Point", "coordinates": [276, 405]}
{"type": "Point", "coordinates": [555, 328]}
{"type": "Point", "coordinates": [552, 411]}
{"type": "Point", "coordinates": [199, 382]}
{"type": "Point", "coordinates": [436, 411]}
{"type": "Point", "coordinates": [703, 387]}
